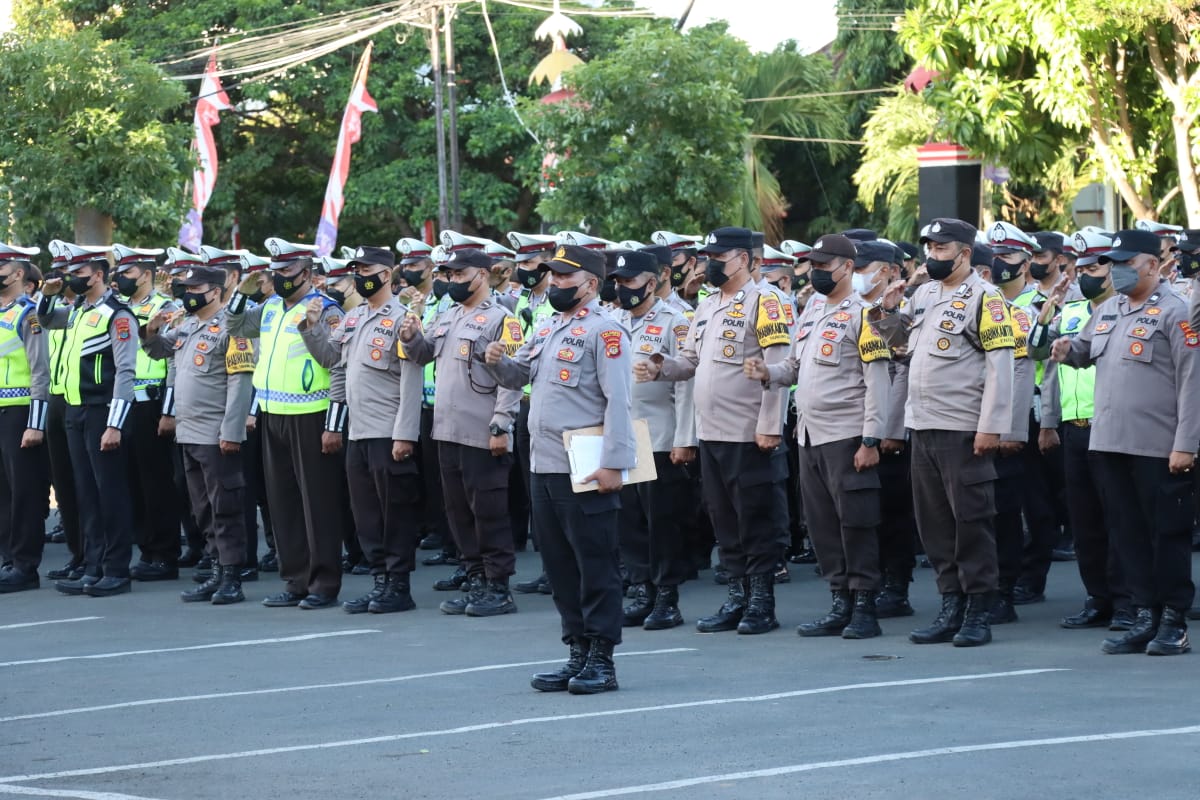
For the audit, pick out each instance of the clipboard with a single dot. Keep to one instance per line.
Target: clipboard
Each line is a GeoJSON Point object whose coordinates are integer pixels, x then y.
{"type": "Point", "coordinates": [643, 469]}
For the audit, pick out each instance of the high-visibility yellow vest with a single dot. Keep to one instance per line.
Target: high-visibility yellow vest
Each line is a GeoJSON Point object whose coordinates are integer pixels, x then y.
{"type": "Point", "coordinates": [1076, 387]}
{"type": "Point", "coordinates": [287, 379]}
{"type": "Point", "coordinates": [88, 367]}
{"type": "Point", "coordinates": [532, 317]}
{"type": "Point", "coordinates": [58, 337]}
{"type": "Point", "coordinates": [150, 371]}
{"type": "Point", "coordinates": [15, 378]}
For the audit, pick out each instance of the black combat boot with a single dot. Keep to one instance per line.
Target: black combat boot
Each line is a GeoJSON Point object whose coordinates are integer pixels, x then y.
{"type": "Point", "coordinates": [1003, 609]}
{"type": "Point", "coordinates": [666, 612]}
{"type": "Point", "coordinates": [557, 680]}
{"type": "Point", "coordinates": [474, 590]}
{"type": "Point", "coordinates": [539, 585]}
{"type": "Point", "coordinates": [1143, 631]}
{"type": "Point", "coordinates": [495, 600]}
{"type": "Point", "coordinates": [892, 600]}
{"type": "Point", "coordinates": [864, 624]}
{"type": "Point", "coordinates": [455, 581]}
{"type": "Point", "coordinates": [359, 605]}
{"type": "Point", "coordinates": [1172, 638]}
{"type": "Point", "coordinates": [396, 596]}
{"type": "Point", "coordinates": [636, 612]}
{"type": "Point", "coordinates": [230, 589]}
{"type": "Point", "coordinates": [730, 613]}
{"type": "Point", "coordinates": [976, 629]}
{"type": "Point", "coordinates": [833, 623]}
{"type": "Point", "coordinates": [205, 568]}
{"type": "Point", "coordinates": [598, 674]}
{"type": "Point", "coordinates": [205, 591]}
{"type": "Point", "coordinates": [945, 625]}
{"type": "Point", "coordinates": [760, 610]}
{"type": "Point", "coordinates": [1096, 613]}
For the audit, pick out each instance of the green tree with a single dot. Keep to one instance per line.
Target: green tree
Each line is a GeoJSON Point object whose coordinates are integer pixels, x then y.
{"type": "Point", "coordinates": [887, 173]}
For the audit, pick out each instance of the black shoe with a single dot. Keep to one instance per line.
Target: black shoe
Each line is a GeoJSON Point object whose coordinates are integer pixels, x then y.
{"type": "Point", "coordinates": [494, 601]}
{"type": "Point", "coordinates": [1172, 638]}
{"type": "Point", "coordinates": [558, 680]}
{"type": "Point", "coordinates": [805, 556]}
{"type": "Point", "coordinates": [205, 591]}
{"type": "Point", "coordinates": [947, 623]}
{"type": "Point", "coordinates": [863, 622]}
{"type": "Point", "coordinates": [190, 558]}
{"type": "Point", "coordinates": [316, 601]}
{"type": "Point", "coordinates": [75, 586]}
{"type": "Point", "coordinates": [781, 573]}
{"type": "Point", "coordinates": [108, 586]}
{"type": "Point", "coordinates": [1003, 610]}
{"type": "Point", "coordinates": [433, 541]}
{"type": "Point", "coordinates": [666, 612]}
{"type": "Point", "coordinates": [720, 575]}
{"type": "Point", "coordinates": [760, 607]}
{"type": "Point", "coordinates": [284, 599]}
{"type": "Point", "coordinates": [18, 580]}
{"type": "Point", "coordinates": [359, 605]}
{"type": "Point", "coordinates": [1063, 553]}
{"type": "Point", "coordinates": [268, 563]}
{"type": "Point", "coordinates": [230, 590]}
{"type": "Point", "coordinates": [1093, 615]}
{"type": "Point", "coordinates": [834, 622]}
{"type": "Point", "coordinates": [396, 596]}
{"type": "Point", "coordinates": [57, 536]}
{"type": "Point", "coordinates": [474, 590]}
{"type": "Point", "coordinates": [634, 614]}
{"type": "Point", "coordinates": [976, 627]}
{"type": "Point", "coordinates": [453, 583]}
{"type": "Point", "coordinates": [1135, 640]}
{"type": "Point", "coordinates": [1023, 595]}
{"type": "Point", "coordinates": [65, 572]}
{"type": "Point", "coordinates": [599, 674]}
{"type": "Point", "coordinates": [78, 573]}
{"type": "Point", "coordinates": [730, 613]}
{"type": "Point", "coordinates": [892, 600]}
{"type": "Point", "coordinates": [361, 568]}
{"type": "Point", "coordinates": [441, 559]}
{"type": "Point", "coordinates": [924, 563]}
{"type": "Point", "coordinates": [347, 565]}
{"type": "Point", "coordinates": [154, 571]}
{"type": "Point", "coordinates": [1123, 619]}
{"type": "Point", "coordinates": [248, 574]}
{"type": "Point", "coordinates": [204, 569]}
{"type": "Point", "coordinates": [540, 586]}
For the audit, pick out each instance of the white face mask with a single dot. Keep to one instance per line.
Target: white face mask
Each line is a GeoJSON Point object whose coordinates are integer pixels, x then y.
{"type": "Point", "coordinates": [863, 283]}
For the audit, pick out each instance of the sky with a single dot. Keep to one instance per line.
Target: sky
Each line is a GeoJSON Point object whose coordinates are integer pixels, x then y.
{"type": "Point", "coordinates": [762, 23]}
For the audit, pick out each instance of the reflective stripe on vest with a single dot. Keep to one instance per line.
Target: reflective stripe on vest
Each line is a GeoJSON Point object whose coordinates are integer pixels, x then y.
{"type": "Point", "coordinates": [15, 378]}
{"type": "Point", "coordinates": [58, 337]}
{"type": "Point", "coordinates": [287, 378]}
{"type": "Point", "coordinates": [1076, 387]}
{"type": "Point", "coordinates": [150, 371]}
{"type": "Point", "coordinates": [88, 369]}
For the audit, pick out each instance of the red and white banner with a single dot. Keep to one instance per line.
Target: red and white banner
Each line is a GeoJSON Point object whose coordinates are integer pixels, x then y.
{"type": "Point", "coordinates": [209, 104]}
{"type": "Point", "coordinates": [350, 133]}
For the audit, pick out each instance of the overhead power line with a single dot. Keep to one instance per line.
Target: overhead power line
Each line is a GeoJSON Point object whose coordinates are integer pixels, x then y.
{"type": "Point", "coordinates": [819, 94]}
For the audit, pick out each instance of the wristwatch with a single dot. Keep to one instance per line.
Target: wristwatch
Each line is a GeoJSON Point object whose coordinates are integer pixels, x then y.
{"type": "Point", "coordinates": [870, 441]}
{"type": "Point", "coordinates": [496, 430]}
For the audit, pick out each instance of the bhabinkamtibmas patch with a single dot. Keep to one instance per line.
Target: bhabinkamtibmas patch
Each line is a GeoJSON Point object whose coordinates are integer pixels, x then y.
{"type": "Point", "coordinates": [770, 325]}
{"type": "Point", "coordinates": [511, 336]}
{"type": "Point", "coordinates": [239, 356]}
{"type": "Point", "coordinates": [870, 346]}
{"type": "Point", "coordinates": [995, 323]}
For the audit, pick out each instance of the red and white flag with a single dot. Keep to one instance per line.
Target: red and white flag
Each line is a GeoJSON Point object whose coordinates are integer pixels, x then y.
{"type": "Point", "coordinates": [350, 133]}
{"type": "Point", "coordinates": [210, 102]}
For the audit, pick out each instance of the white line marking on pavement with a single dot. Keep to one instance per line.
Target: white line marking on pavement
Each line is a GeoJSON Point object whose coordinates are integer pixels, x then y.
{"type": "Point", "coordinates": [313, 686]}
{"type": "Point", "coordinates": [80, 794]}
{"type": "Point", "coordinates": [47, 622]}
{"type": "Point", "coordinates": [877, 759]}
{"type": "Point", "coordinates": [245, 643]}
{"type": "Point", "coordinates": [488, 726]}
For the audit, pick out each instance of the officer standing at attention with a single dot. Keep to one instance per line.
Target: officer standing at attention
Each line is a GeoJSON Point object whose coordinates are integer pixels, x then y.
{"type": "Point", "coordinates": [99, 360]}
{"type": "Point", "coordinates": [213, 374]}
{"type": "Point", "coordinates": [840, 365]}
{"type": "Point", "coordinates": [1144, 437]}
{"type": "Point", "coordinates": [739, 426]}
{"type": "Point", "coordinates": [473, 430]}
{"type": "Point", "coordinates": [579, 366]}
{"type": "Point", "coordinates": [300, 437]}
{"type": "Point", "coordinates": [24, 399]}
{"type": "Point", "coordinates": [960, 342]}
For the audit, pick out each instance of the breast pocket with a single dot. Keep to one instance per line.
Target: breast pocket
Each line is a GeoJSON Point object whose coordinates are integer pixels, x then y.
{"type": "Point", "coordinates": [465, 345]}
{"type": "Point", "coordinates": [1138, 350]}
{"type": "Point", "coordinates": [1099, 344]}
{"type": "Point", "coordinates": [439, 342]}
{"type": "Point", "coordinates": [827, 348]}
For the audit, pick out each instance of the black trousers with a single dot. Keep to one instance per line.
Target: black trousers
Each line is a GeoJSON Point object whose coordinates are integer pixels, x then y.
{"type": "Point", "coordinates": [191, 528]}
{"type": "Point", "coordinates": [744, 490]}
{"type": "Point", "coordinates": [350, 541]}
{"type": "Point", "coordinates": [24, 485]}
{"type": "Point", "coordinates": [1151, 512]}
{"type": "Point", "coordinates": [843, 507]}
{"type": "Point", "coordinates": [102, 491]}
{"type": "Point", "coordinates": [1043, 483]}
{"type": "Point", "coordinates": [475, 487]}
{"type": "Point", "coordinates": [156, 502]}
{"type": "Point", "coordinates": [305, 491]}
{"type": "Point", "coordinates": [62, 476]}
{"type": "Point", "coordinates": [433, 507]}
{"type": "Point", "coordinates": [897, 526]}
{"type": "Point", "coordinates": [520, 487]}
{"type": "Point", "coordinates": [697, 524]}
{"type": "Point", "coordinates": [217, 487]}
{"type": "Point", "coordinates": [384, 495]}
{"type": "Point", "coordinates": [954, 502]}
{"type": "Point", "coordinates": [256, 493]}
{"type": "Point", "coordinates": [578, 539]}
{"type": "Point", "coordinates": [1096, 554]}
{"type": "Point", "coordinates": [1009, 525]}
{"type": "Point", "coordinates": [650, 524]}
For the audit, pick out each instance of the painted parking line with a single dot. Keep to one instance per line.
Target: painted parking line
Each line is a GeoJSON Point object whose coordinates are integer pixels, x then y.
{"type": "Point", "coordinates": [317, 686]}
{"type": "Point", "coordinates": [46, 622]}
{"type": "Point", "coordinates": [491, 726]}
{"type": "Point", "coordinates": [79, 794]}
{"type": "Point", "coordinates": [882, 758]}
{"type": "Point", "coordinates": [213, 646]}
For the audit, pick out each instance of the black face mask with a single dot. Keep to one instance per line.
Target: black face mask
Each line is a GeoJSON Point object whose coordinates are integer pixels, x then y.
{"type": "Point", "coordinates": [562, 298]}
{"type": "Point", "coordinates": [194, 301]}
{"type": "Point", "coordinates": [608, 292]}
{"type": "Point", "coordinates": [459, 292]}
{"type": "Point", "coordinates": [178, 289]}
{"type": "Point", "coordinates": [1189, 265]}
{"type": "Point", "coordinates": [335, 296]}
{"type": "Point", "coordinates": [79, 284]}
{"type": "Point", "coordinates": [714, 272]}
{"type": "Point", "coordinates": [1091, 286]}
{"type": "Point", "coordinates": [822, 281]}
{"type": "Point", "coordinates": [1004, 272]}
{"type": "Point", "coordinates": [678, 274]}
{"type": "Point", "coordinates": [440, 288]}
{"type": "Point", "coordinates": [126, 285]}
{"type": "Point", "coordinates": [286, 286]}
{"type": "Point", "coordinates": [368, 285]}
{"type": "Point", "coordinates": [529, 278]}
{"type": "Point", "coordinates": [413, 278]}
{"type": "Point", "coordinates": [940, 268]}
{"type": "Point", "coordinates": [632, 298]}
{"type": "Point", "coordinates": [800, 281]}
{"type": "Point", "coordinates": [1039, 271]}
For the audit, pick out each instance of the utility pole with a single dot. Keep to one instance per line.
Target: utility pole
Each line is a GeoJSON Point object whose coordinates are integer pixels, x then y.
{"type": "Point", "coordinates": [452, 99]}
{"type": "Point", "coordinates": [436, 54]}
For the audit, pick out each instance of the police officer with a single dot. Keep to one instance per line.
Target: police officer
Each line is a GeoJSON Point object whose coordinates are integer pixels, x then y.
{"type": "Point", "coordinates": [99, 360]}
{"type": "Point", "coordinates": [300, 435]}
{"type": "Point", "coordinates": [579, 366]}
{"type": "Point", "coordinates": [841, 416]}
{"type": "Point", "coordinates": [653, 542]}
{"type": "Point", "coordinates": [156, 503]}
{"type": "Point", "coordinates": [213, 375]}
{"type": "Point", "coordinates": [380, 393]}
{"type": "Point", "coordinates": [1144, 436]}
{"type": "Point", "coordinates": [473, 430]}
{"type": "Point", "coordinates": [24, 398]}
{"type": "Point", "coordinates": [739, 427]}
{"type": "Point", "coordinates": [683, 265]}
{"type": "Point", "coordinates": [959, 337]}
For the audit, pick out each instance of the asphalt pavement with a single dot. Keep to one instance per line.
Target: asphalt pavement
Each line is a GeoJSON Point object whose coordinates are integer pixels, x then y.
{"type": "Point", "coordinates": [142, 696]}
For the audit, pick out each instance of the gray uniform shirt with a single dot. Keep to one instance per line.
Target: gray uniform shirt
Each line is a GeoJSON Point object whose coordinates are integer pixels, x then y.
{"type": "Point", "coordinates": [214, 378]}
{"type": "Point", "coordinates": [666, 406]}
{"type": "Point", "coordinates": [469, 399]}
{"type": "Point", "coordinates": [366, 371]}
{"type": "Point", "coordinates": [580, 370]}
{"type": "Point", "coordinates": [897, 394]}
{"type": "Point", "coordinates": [1147, 397]}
